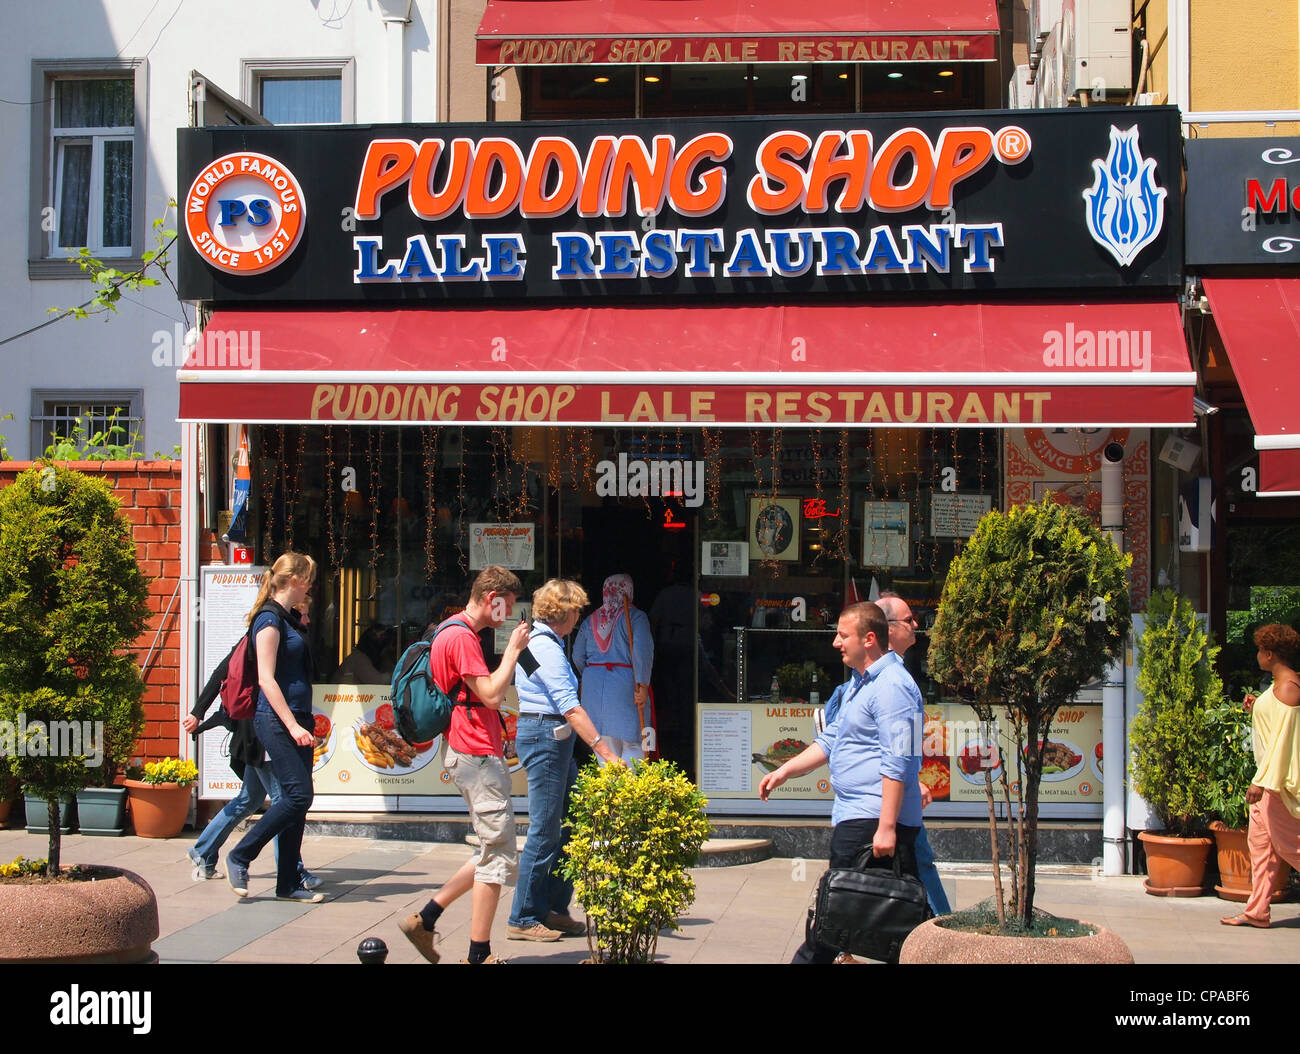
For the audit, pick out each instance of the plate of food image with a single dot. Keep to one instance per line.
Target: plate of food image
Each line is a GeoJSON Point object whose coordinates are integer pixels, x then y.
{"type": "Point", "coordinates": [936, 775]}
{"type": "Point", "coordinates": [779, 753]}
{"type": "Point", "coordinates": [323, 739]}
{"type": "Point", "coordinates": [378, 746]}
{"type": "Point", "coordinates": [1061, 760]}
{"type": "Point", "coordinates": [510, 715]}
{"type": "Point", "coordinates": [976, 758]}
{"type": "Point", "coordinates": [1097, 760]}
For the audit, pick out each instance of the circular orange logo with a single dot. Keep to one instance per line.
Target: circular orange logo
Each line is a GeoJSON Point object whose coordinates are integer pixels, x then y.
{"type": "Point", "coordinates": [345, 776]}
{"type": "Point", "coordinates": [245, 213]}
{"type": "Point", "coordinates": [1085, 787]}
{"type": "Point", "coordinates": [1012, 144]}
{"type": "Point", "coordinates": [445, 776]}
{"type": "Point", "coordinates": [823, 785]}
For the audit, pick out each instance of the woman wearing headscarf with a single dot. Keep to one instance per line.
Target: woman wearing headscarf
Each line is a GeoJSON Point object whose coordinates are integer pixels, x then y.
{"type": "Point", "coordinates": [614, 653]}
{"type": "Point", "coordinates": [551, 720]}
{"type": "Point", "coordinates": [1274, 793]}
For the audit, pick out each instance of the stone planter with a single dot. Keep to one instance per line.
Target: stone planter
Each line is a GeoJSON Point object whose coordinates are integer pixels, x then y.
{"type": "Point", "coordinates": [113, 919]}
{"type": "Point", "coordinates": [38, 814]}
{"type": "Point", "coordinates": [1234, 866]}
{"type": "Point", "coordinates": [932, 943]}
{"type": "Point", "coordinates": [158, 810]}
{"type": "Point", "coordinates": [102, 811]}
{"type": "Point", "coordinates": [1175, 866]}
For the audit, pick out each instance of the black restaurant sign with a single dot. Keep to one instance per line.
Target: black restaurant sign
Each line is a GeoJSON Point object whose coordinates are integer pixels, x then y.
{"type": "Point", "coordinates": [853, 204]}
{"type": "Point", "coordinates": [1243, 201]}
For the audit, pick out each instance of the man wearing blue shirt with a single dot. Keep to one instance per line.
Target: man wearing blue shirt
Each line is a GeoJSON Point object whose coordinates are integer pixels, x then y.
{"type": "Point", "coordinates": [873, 746]}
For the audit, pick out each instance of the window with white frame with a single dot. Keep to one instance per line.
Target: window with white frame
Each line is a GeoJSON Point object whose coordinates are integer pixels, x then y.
{"type": "Point", "coordinates": [301, 91]}
{"type": "Point", "coordinates": [92, 162]}
{"type": "Point", "coordinates": [87, 163]}
{"type": "Point", "coordinates": [93, 420]}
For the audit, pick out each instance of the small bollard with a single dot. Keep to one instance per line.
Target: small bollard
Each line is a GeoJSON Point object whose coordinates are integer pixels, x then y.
{"type": "Point", "coordinates": [372, 950]}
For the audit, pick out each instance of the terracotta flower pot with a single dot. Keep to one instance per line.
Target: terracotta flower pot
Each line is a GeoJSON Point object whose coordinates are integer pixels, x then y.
{"type": "Point", "coordinates": [113, 919]}
{"type": "Point", "coordinates": [1234, 866]}
{"type": "Point", "coordinates": [932, 943]}
{"type": "Point", "coordinates": [158, 810]}
{"type": "Point", "coordinates": [1175, 866]}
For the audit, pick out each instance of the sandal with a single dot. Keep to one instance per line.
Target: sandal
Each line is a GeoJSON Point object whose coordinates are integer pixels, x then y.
{"type": "Point", "coordinates": [1244, 920]}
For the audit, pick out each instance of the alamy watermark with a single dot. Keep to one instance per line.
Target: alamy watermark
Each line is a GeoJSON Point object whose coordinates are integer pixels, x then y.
{"type": "Point", "coordinates": [656, 477]}
{"type": "Point", "coordinates": [1109, 349]}
{"type": "Point", "coordinates": [226, 349]}
{"type": "Point", "coordinates": [53, 739]}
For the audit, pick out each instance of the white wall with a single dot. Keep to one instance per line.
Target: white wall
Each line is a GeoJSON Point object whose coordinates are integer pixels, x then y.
{"type": "Point", "coordinates": [117, 352]}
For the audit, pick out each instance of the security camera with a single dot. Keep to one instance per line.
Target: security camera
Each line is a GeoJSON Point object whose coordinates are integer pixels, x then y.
{"type": "Point", "coordinates": [1114, 453]}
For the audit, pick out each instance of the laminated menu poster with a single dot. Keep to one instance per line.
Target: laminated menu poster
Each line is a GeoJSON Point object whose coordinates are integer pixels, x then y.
{"type": "Point", "coordinates": [357, 749]}
{"type": "Point", "coordinates": [1072, 766]}
{"type": "Point", "coordinates": [228, 593]}
{"type": "Point", "coordinates": [740, 743]}
{"type": "Point", "coordinates": [510, 545]}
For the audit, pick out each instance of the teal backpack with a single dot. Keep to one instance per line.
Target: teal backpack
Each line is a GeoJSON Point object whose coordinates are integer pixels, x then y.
{"type": "Point", "coordinates": [422, 710]}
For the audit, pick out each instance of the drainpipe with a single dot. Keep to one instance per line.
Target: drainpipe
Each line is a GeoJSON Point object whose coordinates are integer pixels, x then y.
{"type": "Point", "coordinates": [1177, 51]}
{"type": "Point", "coordinates": [1114, 843]}
{"type": "Point", "coordinates": [397, 16]}
{"type": "Point", "coordinates": [189, 652]}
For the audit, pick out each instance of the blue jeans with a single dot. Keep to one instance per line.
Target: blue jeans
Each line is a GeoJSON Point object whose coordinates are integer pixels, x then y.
{"type": "Point", "coordinates": [291, 765]}
{"type": "Point", "coordinates": [259, 781]}
{"type": "Point", "coordinates": [551, 775]}
{"type": "Point", "coordinates": [929, 875]}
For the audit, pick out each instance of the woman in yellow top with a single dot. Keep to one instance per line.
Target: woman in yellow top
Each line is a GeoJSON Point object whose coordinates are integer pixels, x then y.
{"type": "Point", "coordinates": [1274, 793]}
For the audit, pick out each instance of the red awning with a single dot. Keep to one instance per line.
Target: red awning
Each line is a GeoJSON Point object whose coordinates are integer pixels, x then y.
{"type": "Point", "coordinates": [1259, 320]}
{"type": "Point", "coordinates": [831, 364]}
{"type": "Point", "coordinates": [612, 32]}
{"type": "Point", "coordinates": [1279, 474]}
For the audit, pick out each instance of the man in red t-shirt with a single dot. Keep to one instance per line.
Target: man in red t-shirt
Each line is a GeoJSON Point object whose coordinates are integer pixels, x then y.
{"type": "Point", "coordinates": [475, 759]}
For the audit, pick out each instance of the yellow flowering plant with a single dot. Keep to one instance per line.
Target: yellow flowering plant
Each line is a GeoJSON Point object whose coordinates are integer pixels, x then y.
{"type": "Point", "coordinates": [21, 866]}
{"type": "Point", "coordinates": [169, 770]}
{"type": "Point", "coordinates": [635, 832]}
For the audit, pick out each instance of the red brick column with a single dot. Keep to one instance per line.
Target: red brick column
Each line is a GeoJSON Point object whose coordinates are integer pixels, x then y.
{"type": "Point", "coordinates": [150, 493]}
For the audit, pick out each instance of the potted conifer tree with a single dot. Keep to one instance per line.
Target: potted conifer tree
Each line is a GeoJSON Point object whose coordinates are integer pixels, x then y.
{"type": "Point", "coordinates": [1170, 742]}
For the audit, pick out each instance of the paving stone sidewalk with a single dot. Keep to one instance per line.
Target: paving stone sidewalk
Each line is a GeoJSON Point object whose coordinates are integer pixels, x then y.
{"type": "Point", "coordinates": [753, 913]}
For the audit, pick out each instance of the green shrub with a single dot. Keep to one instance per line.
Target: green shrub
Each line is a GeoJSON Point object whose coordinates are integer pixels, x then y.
{"type": "Point", "coordinates": [1035, 606]}
{"type": "Point", "coordinates": [1170, 738]}
{"type": "Point", "coordinates": [1230, 762]}
{"type": "Point", "coordinates": [72, 602]}
{"type": "Point", "coordinates": [634, 834]}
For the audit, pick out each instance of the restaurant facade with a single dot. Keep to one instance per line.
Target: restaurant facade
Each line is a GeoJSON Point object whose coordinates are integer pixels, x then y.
{"type": "Point", "coordinates": [763, 364]}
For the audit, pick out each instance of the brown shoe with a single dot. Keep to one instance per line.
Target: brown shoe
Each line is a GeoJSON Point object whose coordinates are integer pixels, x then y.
{"type": "Point", "coordinates": [845, 957]}
{"type": "Point", "coordinates": [566, 924]}
{"type": "Point", "coordinates": [491, 959]}
{"type": "Point", "coordinates": [536, 932]}
{"type": "Point", "coordinates": [413, 927]}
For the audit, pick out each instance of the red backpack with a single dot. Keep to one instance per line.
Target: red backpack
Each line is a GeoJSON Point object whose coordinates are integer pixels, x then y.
{"type": "Point", "coordinates": [239, 690]}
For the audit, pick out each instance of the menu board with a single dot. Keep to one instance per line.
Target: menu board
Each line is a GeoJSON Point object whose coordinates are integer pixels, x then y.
{"type": "Point", "coordinates": [959, 751]}
{"type": "Point", "coordinates": [739, 743]}
{"type": "Point", "coordinates": [509, 545]}
{"type": "Point", "coordinates": [227, 594]}
{"type": "Point", "coordinates": [357, 750]}
{"type": "Point", "coordinates": [955, 515]}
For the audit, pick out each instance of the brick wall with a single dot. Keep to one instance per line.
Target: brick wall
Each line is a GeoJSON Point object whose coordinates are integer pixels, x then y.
{"type": "Point", "coordinates": [150, 493]}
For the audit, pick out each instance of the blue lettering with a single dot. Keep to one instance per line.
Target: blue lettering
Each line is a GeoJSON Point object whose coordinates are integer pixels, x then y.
{"type": "Point", "coordinates": [779, 242]}
{"type": "Point", "coordinates": [840, 249]}
{"type": "Point", "coordinates": [573, 256]}
{"type": "Point", "coordinates": [452, 247]}
{"type": "Point", "coordinates": [747, 258]}
{"type": "Point", "coordinates": [259, 212]}
{"type": "Point", "coordinates": [616, 253]}
{"type": "Point", "coordinates": [659, 260]}
{"type": "Point", "coordinates": [979, 237]}
{"type": "Point", "coordinates": [368, 250]}
{"type": "Point", "coordinates": [884, 253]}
{"type": "Point", "coordinates": [930, 249]}
{"type": "Point", "coordinates": [503, 252]}
{"type": "Point", "coordinates": [416, 264]}
{"type": "Point", "coordinates": [699, 244]}
{"type": "Point", "coordinates": [231, 209]}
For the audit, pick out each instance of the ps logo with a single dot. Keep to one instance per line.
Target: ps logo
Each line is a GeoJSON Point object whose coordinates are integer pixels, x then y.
{"type": "Point", "coordinates": [258, 212]}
